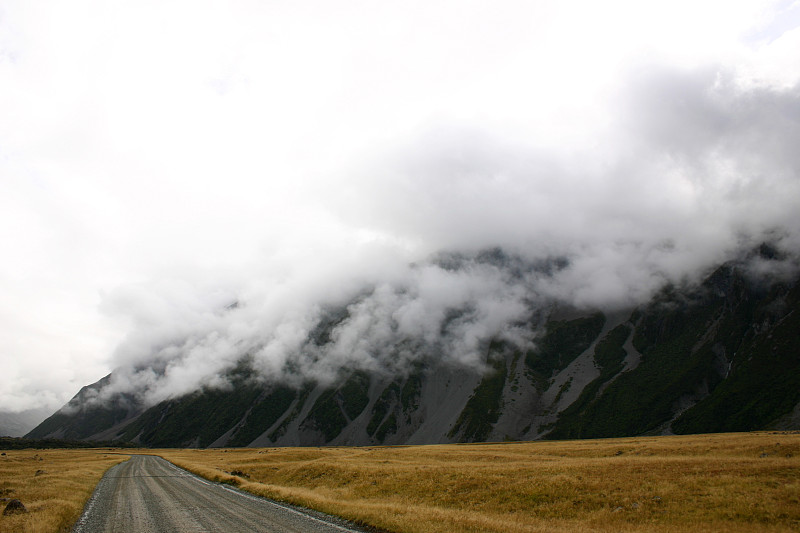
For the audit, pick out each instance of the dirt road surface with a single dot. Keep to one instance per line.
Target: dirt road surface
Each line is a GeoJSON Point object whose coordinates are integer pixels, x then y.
{"type": "Point", "coordinates": [147, 494]}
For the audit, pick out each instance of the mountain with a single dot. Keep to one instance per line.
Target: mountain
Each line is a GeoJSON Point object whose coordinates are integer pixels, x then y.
{"type": "Point", "coordinates": [82, 417]}
{"type": "Point", "coordinates": [16, 424]}
{"type": "Point", "coordinates": [721, 355]}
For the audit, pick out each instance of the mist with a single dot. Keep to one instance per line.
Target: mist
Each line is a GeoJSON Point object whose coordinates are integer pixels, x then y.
{"type": "Point", "coordinates": [186, 186]}
{"type": "Point", "coordinates": [699, 171]}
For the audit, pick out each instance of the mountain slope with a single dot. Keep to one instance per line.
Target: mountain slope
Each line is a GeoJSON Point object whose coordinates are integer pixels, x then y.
{"type": "Point", "coordinates": [16, 424]}
{"type": "Point", "coordinates": [720, 356]}
{"type": "Point", "coordinates": [724, 357]}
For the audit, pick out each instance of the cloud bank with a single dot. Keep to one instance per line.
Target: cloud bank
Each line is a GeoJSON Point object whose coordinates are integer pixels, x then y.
{"type": "Point", "coordinates": [698, 170]}
{"type": "Point", "coordinates": [160, 162]}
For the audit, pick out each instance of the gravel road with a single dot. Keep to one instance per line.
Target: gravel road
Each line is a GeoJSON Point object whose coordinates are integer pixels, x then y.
{"type": "Point", "coordinates": [147, 494]}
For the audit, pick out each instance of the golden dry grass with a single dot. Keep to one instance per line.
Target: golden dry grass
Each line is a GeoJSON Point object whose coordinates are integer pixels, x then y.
{"type": "Point", "coordinates": [736, 482]}
{"type": "Point", "coordinates": [56, 496]}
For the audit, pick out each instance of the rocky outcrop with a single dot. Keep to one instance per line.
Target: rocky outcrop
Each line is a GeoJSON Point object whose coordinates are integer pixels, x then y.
{"type": "Point", "coordinates": [14, 506]}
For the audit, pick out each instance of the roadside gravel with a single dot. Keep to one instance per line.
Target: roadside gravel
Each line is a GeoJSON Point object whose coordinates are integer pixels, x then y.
{"type": "Point", "coordinates": [148, 494]}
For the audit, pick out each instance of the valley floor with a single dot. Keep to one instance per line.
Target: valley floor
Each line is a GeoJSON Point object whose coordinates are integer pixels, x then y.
{"type": "Point", "coordinates": [721, 482]}
{"type": "Point", "coordinates": [53, 485]}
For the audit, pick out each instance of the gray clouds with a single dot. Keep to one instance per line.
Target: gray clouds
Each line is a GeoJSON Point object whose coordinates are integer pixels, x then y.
{"type": "Point", "coordinates": [427, 311]}
{"type": "Point", "coordinates": [693, 167]}
{"type": "Point", "coordinates": [160, 161]}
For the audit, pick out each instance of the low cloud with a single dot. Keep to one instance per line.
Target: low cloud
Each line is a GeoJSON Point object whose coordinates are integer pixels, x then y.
{"type": "Point", "coordinates": [698, 170]}
{"type": "Point", "coordinates": [316, 166]}
{"type": "Point", "coordinates": [427, 311]}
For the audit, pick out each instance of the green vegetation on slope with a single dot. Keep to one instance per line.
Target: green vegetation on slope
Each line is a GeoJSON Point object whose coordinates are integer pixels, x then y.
{"type": "Point", "coordinates": [382, 406]}
{"type": "Point", "coordinates": [388, 427]}
{"type": "Point", "coordinates": [563, 341]}
{"type": "Point", "coordinates": [301, 401]}
{"type": "Point", "coordinates": [354, 394]}
{"type": "Point", "coordinates": [730, 346]}
{"type": "Point", "coordinates": [762, 384]}
{"type": "Point", "coordinates": [484, 406]}
{"type": "Point", "coordinates": [397, 399]}
{"type": "Point", "coordinates": [412, 389]}
{"type": "Point", "coordinates": [609, 356]}
{"type": "Point", "coordinates": [335, 408]}
{"type": "Point", "coordinates": [197, 419]}
{"type": "Point", "coordinates": [642, 399]}
{"type": "Point", "coordinates": [263, 414]}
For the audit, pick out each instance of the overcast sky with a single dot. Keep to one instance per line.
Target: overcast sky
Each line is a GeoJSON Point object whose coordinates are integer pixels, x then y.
{"type": "Point", "coordinates": [159, 159]}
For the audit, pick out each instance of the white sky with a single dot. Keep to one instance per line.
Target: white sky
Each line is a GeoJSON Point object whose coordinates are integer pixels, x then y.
{"type": "Point", "coordinates": [215, 148]}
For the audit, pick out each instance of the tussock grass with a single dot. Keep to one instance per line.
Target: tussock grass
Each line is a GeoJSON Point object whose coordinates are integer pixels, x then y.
{"type": "Point", "coordinates": [734, 482]}
{"type": "Point", "coordinates": [56, 496]}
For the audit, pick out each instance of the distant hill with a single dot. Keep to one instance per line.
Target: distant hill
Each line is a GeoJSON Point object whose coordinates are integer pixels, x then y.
{"type": "Point", "coordinates": [720, 356]}
{"type": "Point", "coordinates": [18, 424]}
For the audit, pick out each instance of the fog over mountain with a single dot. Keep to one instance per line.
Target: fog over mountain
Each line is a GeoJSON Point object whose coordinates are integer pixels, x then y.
{"type": "Point", "coordinates": [184, 184]}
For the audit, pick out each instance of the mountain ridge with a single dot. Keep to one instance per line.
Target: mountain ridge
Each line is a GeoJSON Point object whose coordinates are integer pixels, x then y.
{"type": "Point", "coordinates": [723, 355]}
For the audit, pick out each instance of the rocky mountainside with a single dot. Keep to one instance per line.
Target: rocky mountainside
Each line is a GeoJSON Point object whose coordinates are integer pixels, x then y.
{"type": "Point", "coordinates": [723, 355]}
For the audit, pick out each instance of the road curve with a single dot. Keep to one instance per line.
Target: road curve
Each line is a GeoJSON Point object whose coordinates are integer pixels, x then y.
{"type": "Point", "coordinates": [148, 494]}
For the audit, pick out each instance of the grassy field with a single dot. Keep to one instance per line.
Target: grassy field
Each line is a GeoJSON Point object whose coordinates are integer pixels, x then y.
{"type": "Point", "coordinates": [54, 485]}
{"type": "Point", "coordinates": [736, 482]}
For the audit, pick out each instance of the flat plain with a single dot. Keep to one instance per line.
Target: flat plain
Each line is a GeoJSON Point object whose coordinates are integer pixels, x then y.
{"type": "Point", "coordinates": [722, 482]}
{"type": "Point", "coordinates": [54, 485]}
